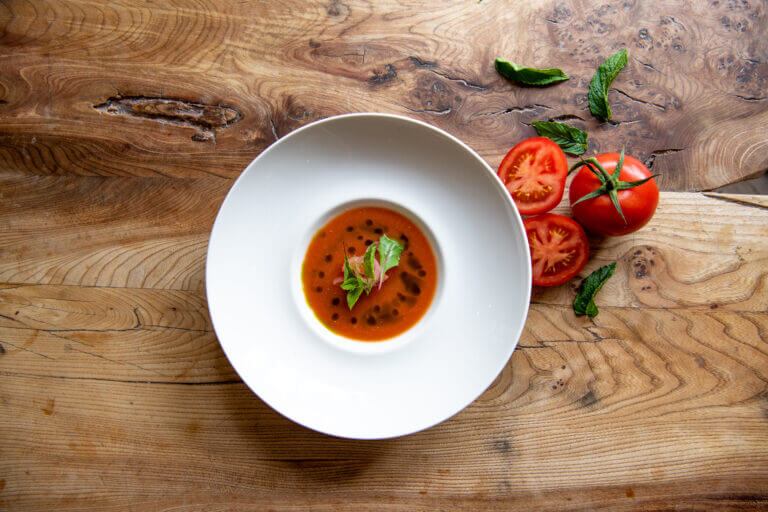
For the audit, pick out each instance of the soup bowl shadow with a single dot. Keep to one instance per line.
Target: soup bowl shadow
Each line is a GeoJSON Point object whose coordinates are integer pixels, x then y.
{"type": "Point", "coordinates": [266, 439]}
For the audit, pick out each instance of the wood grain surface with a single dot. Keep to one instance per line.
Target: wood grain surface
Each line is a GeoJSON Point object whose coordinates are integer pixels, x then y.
{"type": "Point", "coordinates": [122, 126]}
{"type": "Point", "coordinates": [197, 89]}
{"type": "Point", "coordinates": [118, 397]}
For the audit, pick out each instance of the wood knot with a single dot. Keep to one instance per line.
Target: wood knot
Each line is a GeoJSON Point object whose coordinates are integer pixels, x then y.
{"type": "Point", "coordinates": [642, 262]}
{"type": "Point", "coordinates": [501, 445]}
{"type": "Point", "coordinates": [382, 77]}
{"type": "Point", "coordinates": [588, 399]}
{"type": "Point", "coordinates": [204, 118]}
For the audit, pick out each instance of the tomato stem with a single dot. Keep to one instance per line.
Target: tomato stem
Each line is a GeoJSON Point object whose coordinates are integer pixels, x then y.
{"type": "Point", "coordinates": [610, 183]}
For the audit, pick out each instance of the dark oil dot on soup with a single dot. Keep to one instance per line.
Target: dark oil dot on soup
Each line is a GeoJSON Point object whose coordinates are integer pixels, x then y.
{"type": "Point", "coordinates": [404, 297]}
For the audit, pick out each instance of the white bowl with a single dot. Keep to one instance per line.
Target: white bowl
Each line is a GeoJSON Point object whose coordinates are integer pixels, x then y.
{"type": "Point", "coordinates": [349, 388]}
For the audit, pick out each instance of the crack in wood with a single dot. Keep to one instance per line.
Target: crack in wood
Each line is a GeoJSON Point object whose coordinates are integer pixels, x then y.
{"type": "Point", "coordinates": [659, 152]}
{"type": "Point", "coordinates": [15, 286]}
{"type": "Point", "coordinates": [70, 347]}
{"type": "Point", "coordinates": [511, 110]}
{"type": "Point", "coordinates": [673, 20]}
{"type": "Point", "coordinates": [28, 350]}
{"type": "Point", "coordinates": [745, 200]}
{"type": "Point", "coordinates": [420, 63]}
{"type": "Point", "coordinates": [10, 317]}
{"type": "Point", "coordinates": [60, 336]}
{"type": "Point", "coordinates": [638, 100]}
{"type": "Point", "coordinates": [441, 112]}
{"type": "Point", "coordinates": [614, 123]}
{"type": "Point", "coordinates": [274, 130]}
{"type": "Point", "coordinates": [646, 65]}
{"type": "Point", "coordinates": [566, 117]}
{"type": "Point", "coordinates": [122, 381]}
{"type": "Point", "coordinates": [465, 83]}
{"type": "Point", "coordinates": [128, 329]}
{"type": "Point", "coordinates": [750, 98]}
{"type": "Point", "coordinates": [206, 119]}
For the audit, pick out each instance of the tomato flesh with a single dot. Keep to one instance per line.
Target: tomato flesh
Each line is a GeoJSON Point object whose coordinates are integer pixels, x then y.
{"type": "Point", "coordinates": [534, 173]}
{"type": "Point", "coordinates": [559, 248]}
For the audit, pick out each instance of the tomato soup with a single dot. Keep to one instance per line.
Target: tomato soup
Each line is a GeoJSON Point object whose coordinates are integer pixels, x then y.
{"type": "Point", "coordinates": [404, 296]}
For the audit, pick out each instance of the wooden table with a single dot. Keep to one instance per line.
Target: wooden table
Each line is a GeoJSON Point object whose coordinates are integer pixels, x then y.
{"type": "Point", "coordinates": [122, 126]}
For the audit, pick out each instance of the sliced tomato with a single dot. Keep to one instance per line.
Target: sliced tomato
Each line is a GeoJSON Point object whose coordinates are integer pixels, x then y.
{"type": "Point", "coordinates": [534, 172]}
{"type": "Point", "coordinates": [559, 248]}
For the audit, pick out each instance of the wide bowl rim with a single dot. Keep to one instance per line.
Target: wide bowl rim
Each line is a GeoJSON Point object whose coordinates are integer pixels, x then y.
{"type": "Point", "coordinates": [495, 179]}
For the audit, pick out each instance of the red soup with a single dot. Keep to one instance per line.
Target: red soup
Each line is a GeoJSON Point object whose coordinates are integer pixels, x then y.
{"type": "Point", "coordinates": [404, 295]}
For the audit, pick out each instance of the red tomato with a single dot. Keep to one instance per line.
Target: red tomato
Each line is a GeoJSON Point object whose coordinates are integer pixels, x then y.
{"type": "Point", "coordinates": [534, 172]}
{"type": "Point", "coordinates": [598, 214]}
{"type": "Point", "coordinates": [559, 248]}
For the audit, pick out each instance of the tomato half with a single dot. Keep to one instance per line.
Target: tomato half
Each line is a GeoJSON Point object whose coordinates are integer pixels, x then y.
{"type": "Point", "coordinates": [534, 172]}
{"type": "Point", "coordinates": [598, 214]}
{"type": "Point", "coordinates": [559, 248]}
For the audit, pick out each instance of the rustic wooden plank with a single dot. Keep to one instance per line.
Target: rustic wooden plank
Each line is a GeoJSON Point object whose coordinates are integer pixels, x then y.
{"type": "Point", "coordinates": [166, 335]}
{"type": "Point", "coordinates": [753, 200]}
{"type": "Point", "coordinates": [153, 233]}
{"type": "Point", "coordinates": [114, 334]}
{"type": "Point", "coordinates": [75, 308]}
{"type": "Point", "coordinates": [198, 90]}
{"type": "Point", "coordinates": [697, 251]}
{"type": "Point", "coordinates": [672, 409]}
{"type": "Point", "coordinates": [149, 233]}
{"type": "Point", "coordinates": [115, 397]}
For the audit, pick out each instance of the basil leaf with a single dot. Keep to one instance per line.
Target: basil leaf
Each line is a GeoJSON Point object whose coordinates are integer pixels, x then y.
{"type": "Point", "coordinates": [529, 76]}
{"type": "Point", "coordinates": [389, 256]}
{"type": "Point", "coordinates": [353, 284]}
{"type": "Point", "coordinates": [601, 82]}
{"type": "Point", "coordinates": [348, 272]}
{"type": "Point", "coordinates": [572, 140]}
{"type": "Point", "coordinates": [369, 264]}
{"type": "Point", "coordinates": [584, 303]}
{"type": "Point", "coordinates": [354, 294]}
{"type": "Point", "coordinates": [350, 284]}
{"type": "Point", "coordinates": [389, 253]}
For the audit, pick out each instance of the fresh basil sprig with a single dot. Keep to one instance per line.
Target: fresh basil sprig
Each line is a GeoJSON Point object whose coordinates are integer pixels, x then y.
{"type": "Point", "coordinates": [529, 76]}
{"type": "Point", "coordinates": [571, 140]}
{"type": "Point", "coordinates": [389, 255]}
{"type": "Point", "coordinates": [354, 284]}
{"type": "Point", "coordinates": [369, 265]}
{"type": "Point", "coordinates": [601, 82]}
{"type": "Point", "coordinates": [584, 303]}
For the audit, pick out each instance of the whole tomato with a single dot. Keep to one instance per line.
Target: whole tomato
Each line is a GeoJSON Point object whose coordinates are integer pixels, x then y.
{"type": "Point", "coordinates": [613, 205]}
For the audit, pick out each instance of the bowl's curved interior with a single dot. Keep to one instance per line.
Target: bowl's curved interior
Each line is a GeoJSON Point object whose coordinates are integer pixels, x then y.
{"type": "Point", "coordinates": [282, 352]}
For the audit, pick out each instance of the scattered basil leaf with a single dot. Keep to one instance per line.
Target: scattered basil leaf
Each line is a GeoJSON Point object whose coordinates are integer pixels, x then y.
{"type": "Point", "coordinates": [584, 303]}
{"type": "Point", "coordinates": [529, 76]}
{"type": "Point", "coordinates": [601, 82]}
{"type": "Point", "coordinates": [369, 264]}
{"type": "Point", "coordinates": [572, 140]}
{"type": "Point", "coordinates": [389, 255]}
